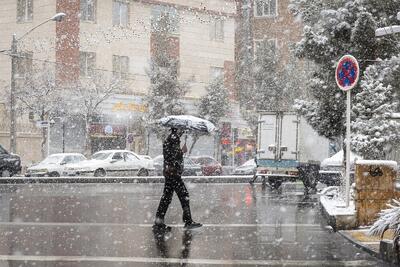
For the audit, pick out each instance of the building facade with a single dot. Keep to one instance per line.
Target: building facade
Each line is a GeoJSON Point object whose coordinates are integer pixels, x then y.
{"type": "Point", "coordinates": [114, 39]}
{"type": "Point", "coordinates": [257, 21]}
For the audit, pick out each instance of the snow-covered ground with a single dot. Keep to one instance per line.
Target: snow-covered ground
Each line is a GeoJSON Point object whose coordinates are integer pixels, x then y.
{"type": "Point", "coordinates": [334, 204]}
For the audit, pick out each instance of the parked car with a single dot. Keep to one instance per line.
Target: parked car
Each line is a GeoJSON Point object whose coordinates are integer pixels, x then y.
{"type": "Point", "coordinates": [209, 166]}
{"type": "Point", "coordinates": [54, 165]}
{"type": "Point", "coordinates": [332, 168]}
{"type": "Point", "coordinates": [10, 164]}
{"type": "Point", "coordinates": [247, 168]}
{"type": "Point", "coordinates": [113, 163]}
{"type": "Point", "coordinates": [189, 167]}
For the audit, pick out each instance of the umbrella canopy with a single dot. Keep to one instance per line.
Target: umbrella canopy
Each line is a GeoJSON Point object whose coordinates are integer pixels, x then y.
{"type": "Point", "coordinates": [188, 122]}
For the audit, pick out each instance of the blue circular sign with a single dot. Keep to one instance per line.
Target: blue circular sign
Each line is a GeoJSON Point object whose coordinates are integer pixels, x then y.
{"type": "Point", "coordinates": [108, 129]}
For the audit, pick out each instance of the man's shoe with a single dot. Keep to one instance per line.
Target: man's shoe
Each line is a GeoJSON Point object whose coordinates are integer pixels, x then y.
{"type": "Point", "coordinates": [192, 225]}
{"type": "Point", "coordinates": [161, 227]}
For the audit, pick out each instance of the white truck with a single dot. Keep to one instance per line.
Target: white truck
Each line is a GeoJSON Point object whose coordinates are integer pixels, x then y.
{"type": "Point", "coordinates": [288, 149]}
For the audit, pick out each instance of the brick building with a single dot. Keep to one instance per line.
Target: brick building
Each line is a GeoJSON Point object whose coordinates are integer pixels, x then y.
{"type": "Point", "coordinates": [114, 37]}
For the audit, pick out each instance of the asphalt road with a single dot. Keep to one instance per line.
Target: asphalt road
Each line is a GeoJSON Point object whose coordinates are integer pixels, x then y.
{"type": "Point", "coordinates": [110, 225]}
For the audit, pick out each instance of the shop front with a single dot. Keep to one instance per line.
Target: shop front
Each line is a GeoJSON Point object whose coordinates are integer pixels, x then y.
{"type": "Point", "coordinates": [237, 145]}
{"type": "Point", "coordinates": [125, 115]}
{"type": "Point", "coordinates": [107, 136]}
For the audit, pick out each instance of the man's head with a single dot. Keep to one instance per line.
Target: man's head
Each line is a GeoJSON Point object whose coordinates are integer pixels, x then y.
{"type": "Point", "coordinates": [179, 132]}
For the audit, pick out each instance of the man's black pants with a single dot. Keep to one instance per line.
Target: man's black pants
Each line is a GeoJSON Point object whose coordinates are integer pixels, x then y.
{"type": "Point", "coordinates": [174, 183]}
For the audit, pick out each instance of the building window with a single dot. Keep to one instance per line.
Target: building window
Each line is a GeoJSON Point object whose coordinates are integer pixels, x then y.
{"type": "Point", "coordinates": [120, 67]}
{"type": "Point", "coordinates": [24, 64]}
{"type": "Point", "coordinates": [217, 30]}
{"type": "Point", "coordinates": [24, 10]}
{"type": "Point", "coordinates": [88, 10]}
{"type": "Point", "coordinates": [266, 8]}
{"type": "Point", "coordinates": [120, 13]}
{"type": "Point", "coordinates": [216, 72]}
{"type": "Point", "coordinates": [272, 43]}
{"type": "Point", "coordinates": [164, 19]}
{"type": "Point", "coordinates": [87, 63]}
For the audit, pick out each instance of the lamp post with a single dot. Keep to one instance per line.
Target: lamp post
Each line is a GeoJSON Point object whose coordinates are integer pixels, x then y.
{"type": "Point", "coordinates": [388, 30]}
{"type": "Point", "coordinates": [14, 57]}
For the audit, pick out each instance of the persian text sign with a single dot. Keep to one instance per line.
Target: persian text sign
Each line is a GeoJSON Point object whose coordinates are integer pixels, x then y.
{"type": "Point", "coordinates": [347, 72]}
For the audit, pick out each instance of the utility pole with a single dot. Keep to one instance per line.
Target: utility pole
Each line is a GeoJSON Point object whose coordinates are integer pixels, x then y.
{"type": "Point", "coordinates": [13, 132]}
{"type": "Point", "coordinates": [14, 56]}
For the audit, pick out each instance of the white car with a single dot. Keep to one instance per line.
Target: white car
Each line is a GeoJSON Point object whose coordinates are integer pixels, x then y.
{"type": "Point", "coordinates": [113, 163]}
{"type": "Point", "coordinates": [54, 165]}
{"type": "Point", "coordinates": [247, 168]}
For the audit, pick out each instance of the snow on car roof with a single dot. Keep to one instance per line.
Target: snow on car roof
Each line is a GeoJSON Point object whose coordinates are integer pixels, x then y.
{"type": "Point", "coordinates": [113, 151]}
{"type": "Point", "coordinates": [66, 154]}
{"type": "Point", "coordinates": [337, 159]}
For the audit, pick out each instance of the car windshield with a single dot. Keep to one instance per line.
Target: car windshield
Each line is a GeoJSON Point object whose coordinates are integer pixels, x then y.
{"type": "Point", "coordinates": [101, 156]}
{"type": "Point", "coordinates": [203, 161]}
{"type": "Point", "coordinates": [53, 159]}
{"type": "Point", "coordinates": [188, 161]}
{"type": "Point", "coordinates": [2, 150]}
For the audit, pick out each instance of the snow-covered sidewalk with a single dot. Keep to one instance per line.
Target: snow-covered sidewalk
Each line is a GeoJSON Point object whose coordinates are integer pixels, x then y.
{"type": "Point", "coordinates": [339, 216]}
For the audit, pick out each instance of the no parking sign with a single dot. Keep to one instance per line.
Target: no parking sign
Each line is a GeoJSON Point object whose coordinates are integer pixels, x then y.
{"type": "Point", "coordinates": [347, 72]}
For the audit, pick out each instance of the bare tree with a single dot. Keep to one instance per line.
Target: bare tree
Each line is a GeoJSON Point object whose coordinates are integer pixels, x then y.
{"type": "Point", "coordinates": [37, 94]}
{"type": "Point", "coordinates": [84, 99]}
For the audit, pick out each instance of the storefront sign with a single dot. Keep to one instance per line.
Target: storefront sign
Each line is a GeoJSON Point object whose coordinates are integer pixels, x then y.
{"type": "Point", "coordinates": [129, 107]}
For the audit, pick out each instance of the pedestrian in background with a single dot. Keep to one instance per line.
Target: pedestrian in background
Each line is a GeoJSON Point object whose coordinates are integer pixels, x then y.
{"type": "Point", "coordinates": [173, 168]}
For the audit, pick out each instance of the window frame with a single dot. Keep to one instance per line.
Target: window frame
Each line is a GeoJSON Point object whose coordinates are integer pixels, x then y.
{"type": "Point", "coordinates": [24, 64]}
{"type": "Point", "coordinates": [215, 35]}
{"type": "Point", "coordinates": [173, 17]}
{"type": "Point", "coordinates": [274, 40]}
{"type": "Point", "coordinates": [86, 6]}
{"type": "Point", "coordinates": [88, 72]}
{"type": "Point", "coordinates": [263, 15]}
{"type": "Point", "coordinates": [213, 70]}
{"type": "Point", "coordinates": [120, 3]}
{"type": "Point", "coordinates": [118, 74]}
{"type": "Point", "coordinates": [26, 12]}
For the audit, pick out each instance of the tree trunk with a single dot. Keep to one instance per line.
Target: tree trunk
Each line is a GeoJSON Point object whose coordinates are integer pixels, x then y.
{"type": "Point", "coordinates": [88, 147]}
{"type": "Point", "coordinates": [44, 138]}
{"type": "Point", "coordinates": [148, 143]}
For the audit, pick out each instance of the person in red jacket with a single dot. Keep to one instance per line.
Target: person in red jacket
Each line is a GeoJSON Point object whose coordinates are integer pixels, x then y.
{"type": "Point", "coordinates": [173, 168]}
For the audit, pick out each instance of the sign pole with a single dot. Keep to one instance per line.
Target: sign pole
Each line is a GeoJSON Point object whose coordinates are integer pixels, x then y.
{"type": "Point", "coordinates": [346, 75]}
{"type": "Point", "coordinates": [348, 138]}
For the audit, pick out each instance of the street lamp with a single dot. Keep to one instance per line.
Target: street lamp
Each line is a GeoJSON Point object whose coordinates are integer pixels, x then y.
{"type": "Point", "coordinates": [388, 30]}
{"type": "Point", "coordinates": [14, 55]}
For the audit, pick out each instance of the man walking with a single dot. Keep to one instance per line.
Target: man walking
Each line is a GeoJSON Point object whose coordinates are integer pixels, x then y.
{"type": "Point", "coordinates": [173, 168]}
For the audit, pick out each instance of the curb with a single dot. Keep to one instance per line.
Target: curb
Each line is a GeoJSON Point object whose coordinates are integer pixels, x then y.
{"type": "Point", "coordinates": [359, 245]}
{"type": "Point", "coordinates": [122, 180]}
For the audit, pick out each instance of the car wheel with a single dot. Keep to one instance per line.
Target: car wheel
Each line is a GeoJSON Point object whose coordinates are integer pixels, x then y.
{"type": "Point", "coordinates": [5, 173]}
{"type": "Point", "coordinates": [143, 172]}
{"type": "Point", "coordinates": [99, 173]}
{"type": "Point", "coordinates": [54, 174]}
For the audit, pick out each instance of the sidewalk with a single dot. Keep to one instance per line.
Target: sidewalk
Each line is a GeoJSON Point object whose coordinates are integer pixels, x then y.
{"type": "Point", "coordinates": [131, 179]}
{"type": "Point", "coordinates": [360, 238]}
{"type": "Point", "coordinates": [380, 248]}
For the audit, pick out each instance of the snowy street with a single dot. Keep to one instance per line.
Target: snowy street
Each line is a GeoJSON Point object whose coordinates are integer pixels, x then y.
{"type": "Point", "coordinates": [110, 225]}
